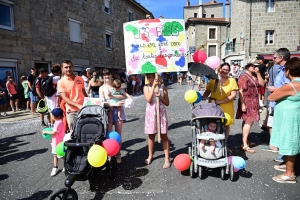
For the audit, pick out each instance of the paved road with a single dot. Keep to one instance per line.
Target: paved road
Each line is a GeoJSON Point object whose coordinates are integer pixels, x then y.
{"type": "Point", "coordinates": [26, 163]}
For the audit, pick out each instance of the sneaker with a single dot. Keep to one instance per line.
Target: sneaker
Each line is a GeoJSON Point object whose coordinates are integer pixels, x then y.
{"type": "Point", "coordinates": [118, 156]}
{"type": "Point", "coordinates": [279, 159]}
{"type": "Point", "coordinates": [54, 171]}
{"type": "Point", "coordinates": [27, 110]}
{"type": "Point", "coordinates": [43, 123]}
{"type": "Point", "coordinates": [5, 114]}
{"type": "Point", "coordinates": [63, 170]}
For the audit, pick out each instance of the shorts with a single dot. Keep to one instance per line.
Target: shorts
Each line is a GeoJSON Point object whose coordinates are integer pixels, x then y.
{"type": "Point", "coordinates": [2, 101]}
{"type": "Point", "coordinates": [33, 99]}
{"type": "Point", "coordinates": [133, 82]}
{"type": "Point", "coordinates": [270, 118]}
{"type": "Point", "coordinates": [123, 85]}
{"type": "Point", "coordinates": [190, 78]}
{"type": "Point", "coordinates": [261, 89]}
{"type": "Point", "coordinates": [54, 152]}
{"type": "Point", "coordinates": [115, 117]}
{"type": "Point", "coordinates": [13, 97]}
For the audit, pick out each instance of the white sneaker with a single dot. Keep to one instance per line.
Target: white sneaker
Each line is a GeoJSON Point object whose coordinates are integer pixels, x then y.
{"type": "Point", "coordinates": [54, 171]}
{"type": "Point", "coordinates": [118, 156]}
{"type": "Point", "coordinates": [63, 170]}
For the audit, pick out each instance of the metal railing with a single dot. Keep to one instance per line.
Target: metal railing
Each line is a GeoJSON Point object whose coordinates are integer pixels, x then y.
{"type": "Point", "coordinates": [234, 48]}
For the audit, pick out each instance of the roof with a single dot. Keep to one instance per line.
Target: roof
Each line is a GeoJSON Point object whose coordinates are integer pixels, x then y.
{"type": "Point", "coordinates": [141, 7]}
{"type": "Point", "coordinates": [210, 3]}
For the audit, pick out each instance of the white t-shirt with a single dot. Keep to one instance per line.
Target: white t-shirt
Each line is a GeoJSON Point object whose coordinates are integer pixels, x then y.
{"type": "Point", "coordinates": [86, 85]}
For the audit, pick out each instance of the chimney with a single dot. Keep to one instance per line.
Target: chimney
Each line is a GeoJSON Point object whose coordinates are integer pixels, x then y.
{"type": "Point", "coordinates": [227, 12]}
{"type": "Point", "coordinates": [200, 9]}
{"type": "Point", "coordinates": [188, 3]}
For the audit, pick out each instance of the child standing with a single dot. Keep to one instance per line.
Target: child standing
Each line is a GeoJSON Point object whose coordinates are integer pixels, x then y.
{"type": "Point", "coordinates": [26, 91]}
{"type": "Point", "coordinates": [2, 101]}
{"type": "Point", "coordinates": [150, 116]}
{"type": "Point", "coordinates": [58, 134]}
{"type": "Point", "coordinates": [116, 90]}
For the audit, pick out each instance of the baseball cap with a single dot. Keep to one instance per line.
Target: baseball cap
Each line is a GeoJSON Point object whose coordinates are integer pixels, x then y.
{"type": "Point", "coordinates": [87, 69]}
{"type": "Point", "coordinates": [56, 112]}
{"type": "Point", "coordinates": [260, 58]}
{"type": "Point", "coordinates": [253, 61]}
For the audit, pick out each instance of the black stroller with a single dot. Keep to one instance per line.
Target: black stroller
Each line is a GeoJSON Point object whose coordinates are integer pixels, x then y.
{"type": "Point", "coordinates": [89, 129]}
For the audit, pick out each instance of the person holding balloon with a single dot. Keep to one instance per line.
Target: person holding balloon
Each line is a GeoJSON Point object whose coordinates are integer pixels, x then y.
{"type": "Point", "coordinates": [57, 133]}
{"type": "Point", "coordinates": [248, 105]}
{"type": "Point", "coordinates": [150, 116]}
{"type": "Point", "coordinates": [224, 94]}
{"type": "Point", "coordinates": [104, 96]}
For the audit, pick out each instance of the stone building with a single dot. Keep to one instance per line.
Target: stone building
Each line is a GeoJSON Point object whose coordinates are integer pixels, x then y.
{"type": "Point", "coordinates": [261, 27]}
{"type": "Point", "coordinates": [40, 33]}
{"type": "Point", "coordinates": [206, 28]}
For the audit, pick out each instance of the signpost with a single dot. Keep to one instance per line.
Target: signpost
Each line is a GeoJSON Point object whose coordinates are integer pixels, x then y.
{"type": "Point", "coordinates": [155, 46]}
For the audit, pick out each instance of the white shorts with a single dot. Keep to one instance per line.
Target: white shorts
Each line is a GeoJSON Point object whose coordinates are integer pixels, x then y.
{"type": "Point", "coordinates": [123, 85]}
{"type": "Point", "coordinates": [54, 152]}
{"type": "Point", "coordinates": [270, 118]}
{"type": "Point", "coordinates": [133, 82]}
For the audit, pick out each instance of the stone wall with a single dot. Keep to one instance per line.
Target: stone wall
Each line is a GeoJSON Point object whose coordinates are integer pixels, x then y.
{"type": "Point", "coordinates": [41, 33]}
{"type": "Point", "coordinates": [189, 12]}
{"type": "Point", "coordinates": [216, 10]}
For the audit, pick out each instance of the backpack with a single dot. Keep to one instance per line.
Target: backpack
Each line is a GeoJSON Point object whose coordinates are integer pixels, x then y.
{"type": "Point", "coordinates": [34, 86]}
{"type": "Point", "coordinates": [47, 86]}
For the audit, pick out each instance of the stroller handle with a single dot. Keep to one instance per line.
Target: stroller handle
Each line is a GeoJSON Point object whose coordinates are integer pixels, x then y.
{"type": "Point", "coordinates": [71, 144]}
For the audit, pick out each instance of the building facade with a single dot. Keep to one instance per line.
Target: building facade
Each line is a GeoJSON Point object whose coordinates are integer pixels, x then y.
{"type": "Point", "coordinates": [40, 33]}
{"type": "Point", "coordinates": [206, 29]}
{"type": "Point", "coordinates": [261, 27]}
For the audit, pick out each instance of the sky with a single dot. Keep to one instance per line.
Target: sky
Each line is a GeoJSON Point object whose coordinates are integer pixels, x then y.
{"type": "Point", "coordinates": [168, 8]}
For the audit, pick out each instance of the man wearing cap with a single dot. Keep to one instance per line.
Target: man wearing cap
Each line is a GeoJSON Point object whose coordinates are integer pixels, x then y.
{"type": "Point", "coordinates": [72, 91]}
{"type": "Point", "coordinates": [262, 71]}
{"type": "Point", "coordinates": [42, 74]}
{"type": "Point", "coordinates": [33, 99]}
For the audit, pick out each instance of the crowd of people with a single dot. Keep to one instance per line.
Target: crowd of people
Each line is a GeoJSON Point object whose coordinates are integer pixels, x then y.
{"type": "Point", "coordinates": [280, 79]}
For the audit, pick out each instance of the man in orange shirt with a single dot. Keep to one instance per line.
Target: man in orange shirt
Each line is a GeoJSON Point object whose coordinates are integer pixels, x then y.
{"type": "Point", "coordinates": [72, 91]}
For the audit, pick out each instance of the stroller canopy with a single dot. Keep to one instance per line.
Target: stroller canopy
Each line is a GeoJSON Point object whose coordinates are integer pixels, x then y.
{"type": "Point", "coordinates": [208, 110]}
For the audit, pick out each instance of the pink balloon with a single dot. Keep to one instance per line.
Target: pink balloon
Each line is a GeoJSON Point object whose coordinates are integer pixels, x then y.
{"type": "Point", "coordinates": [213, 61]}
{"type": "Point", "coordinates": [111, 146]}
{"type": "Point", "coordinates": [235, 169]}
{"type": "Point", "coordinates": [230, 159]}
{"type": "Point", "coordinates": [199, 56]}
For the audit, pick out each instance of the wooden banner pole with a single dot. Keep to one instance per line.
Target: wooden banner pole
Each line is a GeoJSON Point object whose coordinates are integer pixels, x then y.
{"type": "Point", "coordinates": [157, 111]}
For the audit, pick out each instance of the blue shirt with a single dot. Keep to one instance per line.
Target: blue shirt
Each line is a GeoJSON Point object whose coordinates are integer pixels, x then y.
{"type": "Point", "coordinates": [280, 80]}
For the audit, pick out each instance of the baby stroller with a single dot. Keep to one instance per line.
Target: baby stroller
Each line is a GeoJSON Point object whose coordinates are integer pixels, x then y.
{"type": "Point", "coordinates": [202, 114]}
{"type": "Point", "coordinates": [89, 129]}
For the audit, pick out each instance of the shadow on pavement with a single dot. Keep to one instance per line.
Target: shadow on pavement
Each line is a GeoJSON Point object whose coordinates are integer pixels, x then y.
{"type": "Point", "coordinates": [179, 124]}
{"type": "Point", "coordinates": [39, 195]}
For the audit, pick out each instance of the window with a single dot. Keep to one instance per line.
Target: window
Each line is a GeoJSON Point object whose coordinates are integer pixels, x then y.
{"type": "Point", "coordinates": [75, 30]}
{"type": "Point", "coordinates": [212, 50]}
{"type": "Point", "coordinates": [203, 15]}
{"type": "Point", "coordinates": [107, 6]}
{"type": "Point", "coordinates": [195, 15]}
{"type": "Point", "coordinates": [269, 37]}
{"type": "Point", "coordinates": [270, 4]}
{"type": "Point", "coordinates": [212, 33]}
{"type": "Point", "coordinates": [6, 15]}
{"type": "Point", "coordinates": [212, 16]}
{"type": "Point", "coordinates": [108, 40]}
{"type": "Point", "coordinates": [130, 16]}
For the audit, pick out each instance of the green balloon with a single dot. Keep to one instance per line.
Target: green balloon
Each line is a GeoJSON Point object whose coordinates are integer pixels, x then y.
{"type": "Point", "coordinates": [60, 149]}
{"type": "Point", "coordinates": [47, 136]}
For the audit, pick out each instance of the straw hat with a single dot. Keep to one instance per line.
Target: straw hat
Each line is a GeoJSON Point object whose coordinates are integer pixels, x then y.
{"type": "Point", "coordinates": [253, 61]}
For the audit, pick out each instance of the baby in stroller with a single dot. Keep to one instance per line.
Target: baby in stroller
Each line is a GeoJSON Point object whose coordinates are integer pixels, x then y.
{"type": "Point", "coordinates": [211, 127]}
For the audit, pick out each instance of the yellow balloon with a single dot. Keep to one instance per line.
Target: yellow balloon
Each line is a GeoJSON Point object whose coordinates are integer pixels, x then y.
{"type": "Point", "coordinates": [190, 96]}
{"type": "Point", "coordinates": [229, 119]}
{"type": "Point", "coordinates": [97, 156]}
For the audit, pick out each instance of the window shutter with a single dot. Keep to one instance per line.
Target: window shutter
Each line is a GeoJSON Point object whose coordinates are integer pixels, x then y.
{"type": "Point", "coordinates": [75, 32]}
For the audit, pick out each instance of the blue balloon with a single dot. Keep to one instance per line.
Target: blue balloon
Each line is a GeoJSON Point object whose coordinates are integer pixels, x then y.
{"type": "Point", "coordinates": [199, 97]}
{"type": "Point", "coordinates": [238, 162]}
{"type": "Point", "coordinates": [114, 135]}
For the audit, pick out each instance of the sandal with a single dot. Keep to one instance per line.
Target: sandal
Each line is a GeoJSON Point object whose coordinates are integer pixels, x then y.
{"type": "Point", "coordinates": [167, 165]}
{"type": "Point", "coordinates": [148, 161]}
{"type": "Point", "coordinates": [248, 149]}
{"type": "Point", "coordinates": [284, 179]}
{"type": "Point", "coordinates": [280, 167]}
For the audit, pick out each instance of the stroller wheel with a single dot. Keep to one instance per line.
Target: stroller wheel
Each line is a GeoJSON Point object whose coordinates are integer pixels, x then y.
{"type": "Point", "coordinates": [61, 194]}
{"type": "Point", "coordinates": [223, 173]}
{"type": "Point", "coordinates": [231, 172]}
{"type": "Point", "coordinates": [200, 172]}
{"type": "Point", "coordinates": [192, 170]}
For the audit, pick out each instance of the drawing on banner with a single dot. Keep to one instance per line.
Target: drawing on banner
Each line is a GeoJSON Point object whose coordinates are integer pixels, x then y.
{"type": "Point", "coordinates": [155, 45]}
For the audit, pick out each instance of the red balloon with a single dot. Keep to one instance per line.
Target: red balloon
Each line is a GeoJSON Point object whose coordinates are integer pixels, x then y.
{"type": "Point", "coordinates": [199, 56]}
{"type": "Point", "coordinates": [111, 146]}
{"type": "Point", "coordinates": [182, 162]}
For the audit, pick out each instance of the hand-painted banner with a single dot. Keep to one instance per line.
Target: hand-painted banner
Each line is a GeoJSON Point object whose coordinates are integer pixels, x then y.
{"type": "Point", "coordinates": [155, 45]}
